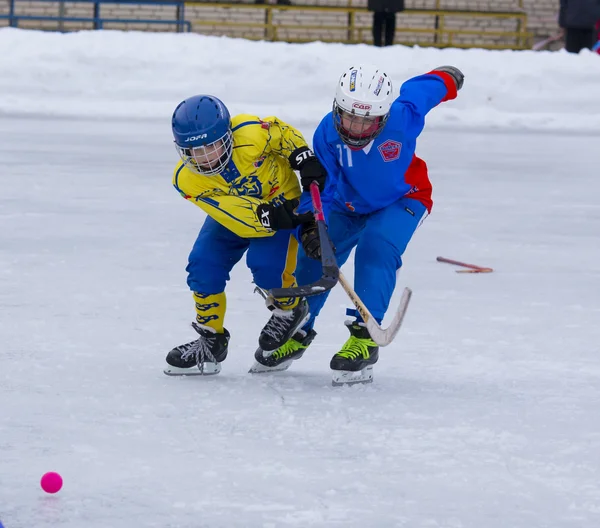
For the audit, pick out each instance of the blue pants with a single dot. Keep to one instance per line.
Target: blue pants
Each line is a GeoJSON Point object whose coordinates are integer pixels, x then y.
{"type": "Point", "coordinates": [380, 239]}
{"type": "Point", "coordinates": [272, 260]}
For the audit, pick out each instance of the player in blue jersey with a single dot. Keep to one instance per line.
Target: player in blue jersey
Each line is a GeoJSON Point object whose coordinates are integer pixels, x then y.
{"type": "Point", "coordinates": [377, 191]}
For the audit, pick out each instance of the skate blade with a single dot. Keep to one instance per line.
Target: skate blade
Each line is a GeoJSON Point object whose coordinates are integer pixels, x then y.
{"type": "Point", "coordinates": [347, 377]}
{"type": "Point", "coordinates": [259, 368]}
{"type": "Point", "coordinates": [210, 369]}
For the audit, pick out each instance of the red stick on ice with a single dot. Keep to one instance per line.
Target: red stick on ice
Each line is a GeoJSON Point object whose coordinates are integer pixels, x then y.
{"type": "Point", "coordinates": [473, 268]}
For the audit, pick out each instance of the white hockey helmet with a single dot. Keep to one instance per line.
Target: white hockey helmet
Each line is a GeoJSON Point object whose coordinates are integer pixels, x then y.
{"type": "Point", "coordinates": [362, 103]}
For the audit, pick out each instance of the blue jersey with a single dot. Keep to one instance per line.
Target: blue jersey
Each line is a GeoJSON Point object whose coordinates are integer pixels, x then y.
{"type": "Point", "coordinates": [369, 179]}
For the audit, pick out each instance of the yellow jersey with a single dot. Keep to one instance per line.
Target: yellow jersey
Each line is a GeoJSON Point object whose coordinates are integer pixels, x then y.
{"type": "Point", "coordinates": [258, 172]}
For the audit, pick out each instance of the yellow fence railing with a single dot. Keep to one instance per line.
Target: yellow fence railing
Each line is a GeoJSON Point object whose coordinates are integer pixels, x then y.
{"type": "Point", "coordinates": [295, 23]}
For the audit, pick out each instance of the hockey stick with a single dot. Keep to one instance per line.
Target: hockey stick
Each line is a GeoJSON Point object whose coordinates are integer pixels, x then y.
{"type": "Point", "coordinates": [472, 268]}
{"type": "Point", "coordinates": [331, 275]}
{"type": "Point", "coordinates": [330, 272]}
{"type": "Point", "coordinates": [381, 336]}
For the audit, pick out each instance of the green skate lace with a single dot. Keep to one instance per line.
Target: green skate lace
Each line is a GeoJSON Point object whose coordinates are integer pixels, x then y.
{"type": "Point", "coordinates": [355, 346]}
{"type": "Point", "coordinates": [289, 347]}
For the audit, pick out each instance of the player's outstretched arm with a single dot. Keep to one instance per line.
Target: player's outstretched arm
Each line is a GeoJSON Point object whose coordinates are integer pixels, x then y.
{"type": "Point", "coordinates": [419, 95]}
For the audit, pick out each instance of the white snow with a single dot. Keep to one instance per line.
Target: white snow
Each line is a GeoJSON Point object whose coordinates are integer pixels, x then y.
{"type": "Point", "coordinates": [484, 413]}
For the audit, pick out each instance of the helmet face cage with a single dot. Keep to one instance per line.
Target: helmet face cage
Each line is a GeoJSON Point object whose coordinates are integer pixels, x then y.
{"type": "Point", "coordinates": [201, 127]}
{"type": "Point", "coordinates": [362, 104]}
{"type": "Point", "coordinates": [355, 130]}
{"type": "Point", "coordinates": [209, 159]}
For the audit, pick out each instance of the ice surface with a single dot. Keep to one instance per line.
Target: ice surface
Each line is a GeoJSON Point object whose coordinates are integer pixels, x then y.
{"type": "Point", "coordinates": [485, 413]}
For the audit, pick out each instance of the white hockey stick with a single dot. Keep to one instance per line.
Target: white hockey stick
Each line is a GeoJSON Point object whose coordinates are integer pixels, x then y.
{"type": "Point", "coordinates": [381, 336]}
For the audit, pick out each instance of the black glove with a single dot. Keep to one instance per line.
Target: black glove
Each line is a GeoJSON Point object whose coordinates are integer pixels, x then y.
{"type": "Point", "coordinates": [283, 216]}
{"type": "Point", "coordinates": [304, 160]}
{"type": "Point", "coordinates": [309, 238]}
{"type": "Point", "coordinates": [455, 73]}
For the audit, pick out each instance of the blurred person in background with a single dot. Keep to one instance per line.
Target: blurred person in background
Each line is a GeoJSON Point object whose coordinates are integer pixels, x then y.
{"type": "Point", "coordinates": [578, 18]}
{"type": "Point", "coordinates": [384, 20]}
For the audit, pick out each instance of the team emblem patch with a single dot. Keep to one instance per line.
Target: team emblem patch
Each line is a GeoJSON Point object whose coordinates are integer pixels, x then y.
{"type": "Point", "coordinates": [246, 186]}
{"type": "Point", "coordinates": [390, 150]}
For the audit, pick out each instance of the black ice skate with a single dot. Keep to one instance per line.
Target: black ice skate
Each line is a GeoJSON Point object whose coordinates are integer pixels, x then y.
{"type": "Point", "coordinates": [201, 357]}
{"type": "Point", "coordinates": [354, 362]}
{"type": "Point", "coordinates": [282, 358]}
{"type": "Point", "coordinates": [282, 325]}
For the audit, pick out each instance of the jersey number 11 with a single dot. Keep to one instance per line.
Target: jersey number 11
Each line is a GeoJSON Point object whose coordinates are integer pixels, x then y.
{"type": "Point", "coordinates": [341, 148]}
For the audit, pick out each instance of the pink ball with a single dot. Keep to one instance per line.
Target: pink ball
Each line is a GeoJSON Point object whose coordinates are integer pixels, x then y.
{"type": "Point", "coordinates": [51, 482]}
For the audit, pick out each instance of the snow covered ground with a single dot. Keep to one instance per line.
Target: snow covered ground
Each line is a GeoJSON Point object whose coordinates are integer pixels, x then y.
{"type": "Point", "coordinates": [485, 413]}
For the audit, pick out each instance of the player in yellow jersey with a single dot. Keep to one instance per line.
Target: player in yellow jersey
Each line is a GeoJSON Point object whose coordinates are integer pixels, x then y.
{"type": "Point", "coordinates": [240, 171]}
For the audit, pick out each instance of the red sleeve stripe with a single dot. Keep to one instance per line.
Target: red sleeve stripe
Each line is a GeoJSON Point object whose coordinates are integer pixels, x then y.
{"type": "Point", "coordinates": [449, 82]}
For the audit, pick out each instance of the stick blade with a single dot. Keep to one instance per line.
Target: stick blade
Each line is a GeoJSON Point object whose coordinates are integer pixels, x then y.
{"type": "Point", "coordinates": [384, 336]}
{"type": "Point", "coordinates": [327, 281]}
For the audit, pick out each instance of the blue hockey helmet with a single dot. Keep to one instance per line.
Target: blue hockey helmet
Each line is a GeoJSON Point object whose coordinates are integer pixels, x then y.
{"type": "Point", "coordinates": [202, 131]}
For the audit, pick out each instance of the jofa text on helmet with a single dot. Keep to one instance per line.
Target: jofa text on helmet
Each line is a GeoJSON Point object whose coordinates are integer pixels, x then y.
{"type": "Point", "coordinates": [194, 138]}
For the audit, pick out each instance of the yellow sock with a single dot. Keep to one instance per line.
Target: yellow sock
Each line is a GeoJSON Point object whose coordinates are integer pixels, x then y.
{"type": "Point", "coordinates": [210, 310]}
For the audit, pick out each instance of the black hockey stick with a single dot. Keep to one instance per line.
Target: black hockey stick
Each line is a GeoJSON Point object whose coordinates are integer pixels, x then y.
{"type": "Point", "coordinates": [331, 272]}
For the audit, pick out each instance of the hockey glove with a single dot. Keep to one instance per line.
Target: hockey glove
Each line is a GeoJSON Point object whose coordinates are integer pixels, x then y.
{"type": "Point", "coordinates": [310, 168]}
{"type": "Point", "coordinates": [281, 217]}
{"type": "Point", "coordinates": [309, 238]}
{"type": "Point", "coordinates": [455, 73]}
